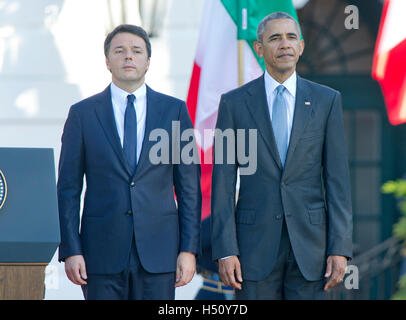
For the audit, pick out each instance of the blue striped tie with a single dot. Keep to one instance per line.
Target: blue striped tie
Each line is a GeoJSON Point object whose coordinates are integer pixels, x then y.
{"type": "Point", "coordinates": [130, 133]}
{"type": "Point", "coordinates": [279, 123]}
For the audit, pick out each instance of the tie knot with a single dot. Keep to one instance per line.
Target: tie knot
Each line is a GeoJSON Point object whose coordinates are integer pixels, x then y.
{"type": "Point", "coordinates": [131, 98]}
{"type": "Point", "coordinates": [280, 89]}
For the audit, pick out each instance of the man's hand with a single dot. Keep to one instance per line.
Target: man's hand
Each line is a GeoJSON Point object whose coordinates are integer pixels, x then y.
{"type": "Point", "coordinates": [186, 267]}
{"type": "Point", "coordinates": [229, 269]}
{"type": "Point", "coordinates": [335, 270]}
{"type": "Point", "coordinates": [75, 269]}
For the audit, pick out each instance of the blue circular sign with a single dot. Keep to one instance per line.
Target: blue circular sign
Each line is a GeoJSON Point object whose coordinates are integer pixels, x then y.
{"type": "Point", "coordinates": [3, 189]}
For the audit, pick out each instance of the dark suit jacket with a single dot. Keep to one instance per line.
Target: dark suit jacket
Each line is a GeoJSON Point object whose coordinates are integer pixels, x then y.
{"type": "Point", "coordinates": [312, 191]}
{"type": "Point", "coordinates": [117, 205]}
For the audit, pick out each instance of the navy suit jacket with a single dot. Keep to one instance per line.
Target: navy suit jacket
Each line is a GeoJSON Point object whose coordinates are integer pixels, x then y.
{"type": "Point", "coordinates": [312, 191]}
{"type": "Point", "coordinates": [117, 205]}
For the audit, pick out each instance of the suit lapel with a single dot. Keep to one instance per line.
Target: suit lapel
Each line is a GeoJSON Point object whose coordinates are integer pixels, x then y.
{"type": "Point", "coordinates": [105, 114]}
{"type": "Point", "coordinates": [302, 113]}
{"type": "Point", "coordinates": [153, 121]}
{"type": "Point", "coordinates": [258, 107]}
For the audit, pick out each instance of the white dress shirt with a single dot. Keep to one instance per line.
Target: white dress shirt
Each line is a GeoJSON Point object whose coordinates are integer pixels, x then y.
{"type": "Point", "coordinates": [290, 96]}
{"type": "Point", "coordinates": [119, 101]}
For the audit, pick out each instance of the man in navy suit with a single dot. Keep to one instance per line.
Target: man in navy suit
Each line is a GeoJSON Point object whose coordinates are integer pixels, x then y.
{"type": "Point", "coordinates": [135, 240]}
{"type": "Point", "coordinates": [290, 234]}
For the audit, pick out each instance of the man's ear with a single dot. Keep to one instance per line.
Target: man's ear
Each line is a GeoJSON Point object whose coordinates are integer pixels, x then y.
{"type": "Point", "coordinates": [258, 49]}
{"type": "Point", "coordinates": [302, 45]}
{"type": "Point", "coordinates": [108, 64]}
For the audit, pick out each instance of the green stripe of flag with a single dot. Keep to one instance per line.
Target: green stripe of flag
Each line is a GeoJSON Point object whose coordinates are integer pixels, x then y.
{"type": "Point", "coordinates": [247, 14]}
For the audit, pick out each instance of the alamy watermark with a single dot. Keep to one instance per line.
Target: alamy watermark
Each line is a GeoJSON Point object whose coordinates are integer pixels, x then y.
{"type": "Point", "coordinates": [351, 281]}
{"type": "Point", "coordinates": [352, 20]}
{"type": "Point", "coordinates": [51, 277]}
{"type": "Point", "coordinates": [230, 147]}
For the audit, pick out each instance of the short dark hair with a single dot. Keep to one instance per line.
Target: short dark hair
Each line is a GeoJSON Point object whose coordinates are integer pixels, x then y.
{"type": "Point", "coordinates": [127, 28]}
{"type": "Point", "coordinates": [274, 16]}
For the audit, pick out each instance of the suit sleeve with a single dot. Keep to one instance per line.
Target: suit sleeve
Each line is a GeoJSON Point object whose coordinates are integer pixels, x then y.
{"type": "Point", "coordinates": [69, 187]}
{"type": "Point", "coordinates": [337, 184]}
{"type": "Point", "coordinates": [187, 189]}
{"type": "Point", "coordinates": [224, 178]}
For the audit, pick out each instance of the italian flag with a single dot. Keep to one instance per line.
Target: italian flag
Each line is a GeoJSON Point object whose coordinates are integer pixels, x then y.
{"type": "Point", "coordinates": [216, 65]}
{"type": "Point", "coordinates": [389, 65]}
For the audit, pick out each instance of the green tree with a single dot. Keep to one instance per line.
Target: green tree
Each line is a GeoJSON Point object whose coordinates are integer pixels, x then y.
{"type": "Point", "coordinates": [398, 188]}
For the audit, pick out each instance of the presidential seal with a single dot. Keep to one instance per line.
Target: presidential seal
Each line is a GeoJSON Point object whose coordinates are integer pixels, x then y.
{"type": "Point", "coordinates": [3, 189]}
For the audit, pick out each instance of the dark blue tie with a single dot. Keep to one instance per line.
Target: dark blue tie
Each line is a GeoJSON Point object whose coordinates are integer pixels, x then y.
{"type": "Point", "coordinates": [130, 133]}
{"type": "Point", "coordinates": [279, 123]}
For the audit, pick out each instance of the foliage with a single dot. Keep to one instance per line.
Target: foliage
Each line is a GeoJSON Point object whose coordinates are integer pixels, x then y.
{"type": "Point", "coordinates": [398, 189]}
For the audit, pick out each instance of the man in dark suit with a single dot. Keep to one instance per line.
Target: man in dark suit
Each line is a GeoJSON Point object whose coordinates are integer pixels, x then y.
{"type": "Point", "coordinates": [290, 234]}
{"type": "Point", "coordinates": [135, 240]}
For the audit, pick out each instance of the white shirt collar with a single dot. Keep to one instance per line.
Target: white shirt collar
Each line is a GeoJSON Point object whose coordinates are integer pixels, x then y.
{"type": "Point", "coordinates": [289, 84]}
{"type": "Point", "coordinates": [119, 95]}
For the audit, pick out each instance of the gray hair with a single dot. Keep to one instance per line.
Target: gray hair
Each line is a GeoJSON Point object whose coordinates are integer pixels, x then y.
{"type": "Point", "coordinates": [274, 16]}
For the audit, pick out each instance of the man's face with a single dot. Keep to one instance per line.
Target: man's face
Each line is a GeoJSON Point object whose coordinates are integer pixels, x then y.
{"type": "Point", "coordinates": [281, 46]}
{"type": "Point", "coordinates": [127, 58]}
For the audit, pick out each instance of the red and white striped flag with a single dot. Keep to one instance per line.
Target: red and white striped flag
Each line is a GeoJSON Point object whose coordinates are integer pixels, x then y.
{"type": "Point", "coordinates": [389, 66]}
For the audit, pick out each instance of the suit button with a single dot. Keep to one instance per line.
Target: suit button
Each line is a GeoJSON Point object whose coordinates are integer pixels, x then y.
{"type": "Point", "coordinates": [132, 185]}
{"type": "Point", "coordinates": [129, 213]}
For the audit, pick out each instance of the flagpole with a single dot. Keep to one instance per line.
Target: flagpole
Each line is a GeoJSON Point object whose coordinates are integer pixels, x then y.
{"type": "Point", "coordinates": [242, 26]}
{"type": "Point", "coordinates": [240, 83]}
{"type": "Point", "coordinates": [240, 62]}
{"type": "Point", "coordinates": [242, 35]}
